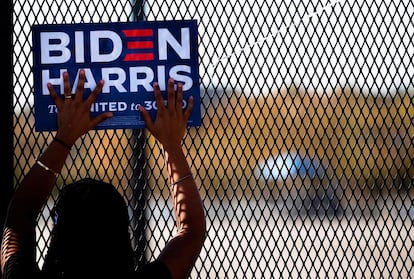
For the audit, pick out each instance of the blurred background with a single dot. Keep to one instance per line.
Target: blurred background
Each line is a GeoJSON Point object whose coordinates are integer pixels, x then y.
{"type": "Point", "coordinates": [305, 155]}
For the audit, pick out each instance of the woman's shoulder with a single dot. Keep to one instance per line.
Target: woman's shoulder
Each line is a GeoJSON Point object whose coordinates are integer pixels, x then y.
{"type": "Point", "coordinates": [155, 269]}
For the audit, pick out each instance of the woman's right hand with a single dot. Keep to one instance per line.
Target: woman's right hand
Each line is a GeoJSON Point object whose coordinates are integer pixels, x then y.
{"type": "Point", "coordinates": [170, 122]}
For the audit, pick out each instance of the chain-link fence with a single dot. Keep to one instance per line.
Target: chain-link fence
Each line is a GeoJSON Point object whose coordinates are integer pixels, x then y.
{"type": "Point", "coordinates": [305, 155]}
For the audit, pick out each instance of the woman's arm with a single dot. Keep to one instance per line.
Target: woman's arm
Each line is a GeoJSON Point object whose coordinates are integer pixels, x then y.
{"type": "Point", "coordinates": [73, 121]}
{"type": "Point", "coordinates": [169, 128]}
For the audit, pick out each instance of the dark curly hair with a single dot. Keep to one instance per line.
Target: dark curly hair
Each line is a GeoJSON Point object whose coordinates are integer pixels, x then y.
{"type": "Point", "coordinates": [91, 232]}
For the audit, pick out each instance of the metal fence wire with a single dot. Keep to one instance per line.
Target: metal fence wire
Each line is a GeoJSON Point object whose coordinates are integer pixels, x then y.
{"type": "Point", "coordinates": [305, 155]}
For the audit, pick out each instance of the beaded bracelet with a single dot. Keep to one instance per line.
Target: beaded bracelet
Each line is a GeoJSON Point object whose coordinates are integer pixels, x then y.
{"type": "Point", "coordinates": [46, 168]}
{"type": "Point", "coordinates": [181, 179]}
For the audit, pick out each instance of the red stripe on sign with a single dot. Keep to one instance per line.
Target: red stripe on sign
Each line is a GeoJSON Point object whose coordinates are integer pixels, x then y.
{"type": "Point", "coordinates": [144, 44]}
{"type": "Point", "coordinates": [139, 56]}
{"type": "Point", "coordinates": [138, 32]}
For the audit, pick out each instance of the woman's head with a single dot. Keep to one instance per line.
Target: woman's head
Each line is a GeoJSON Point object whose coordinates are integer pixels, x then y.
{"type": "Point", "coordinates": [91, 231]}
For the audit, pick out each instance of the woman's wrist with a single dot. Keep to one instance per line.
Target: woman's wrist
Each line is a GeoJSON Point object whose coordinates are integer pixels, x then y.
{"type": "Point", "coordinates": [181, 179]}
{"type": "Point", "coordinates": [62, 142]}
{"type": "Point", "coordinates": [177, 165]}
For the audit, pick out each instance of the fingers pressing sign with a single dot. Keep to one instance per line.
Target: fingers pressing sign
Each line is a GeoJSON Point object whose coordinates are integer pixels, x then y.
{"type": "Point", "coordinates": [74, 117]}
{"type": "Point", "coordinates": [171, 121]}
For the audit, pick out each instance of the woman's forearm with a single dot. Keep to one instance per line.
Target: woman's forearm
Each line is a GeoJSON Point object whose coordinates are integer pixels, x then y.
{"type": "Point", "coordinates": [185, 194]}
{"type": "Point", "coordinates": [35, 187]}
{"type": "Point", "coordinates": [182, 250]}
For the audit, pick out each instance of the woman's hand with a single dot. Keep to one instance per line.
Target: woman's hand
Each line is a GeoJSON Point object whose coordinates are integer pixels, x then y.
{"type": "Point", "coordinates": [171, 121]}
{"type": "Point", "coordinates": [74, 113]}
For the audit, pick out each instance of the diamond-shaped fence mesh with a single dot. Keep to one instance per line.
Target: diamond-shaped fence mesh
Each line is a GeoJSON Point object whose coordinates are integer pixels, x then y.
{"type": "Point", "coordinates": [305, 155]}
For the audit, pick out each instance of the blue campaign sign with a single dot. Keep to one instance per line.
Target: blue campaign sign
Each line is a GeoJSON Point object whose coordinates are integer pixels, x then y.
{"type": "Point", "coordinates": [129, 57]}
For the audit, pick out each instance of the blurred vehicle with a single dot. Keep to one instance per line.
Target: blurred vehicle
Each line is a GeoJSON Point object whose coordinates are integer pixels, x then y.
{"type": "Point", "coordinates": [301, 185]}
